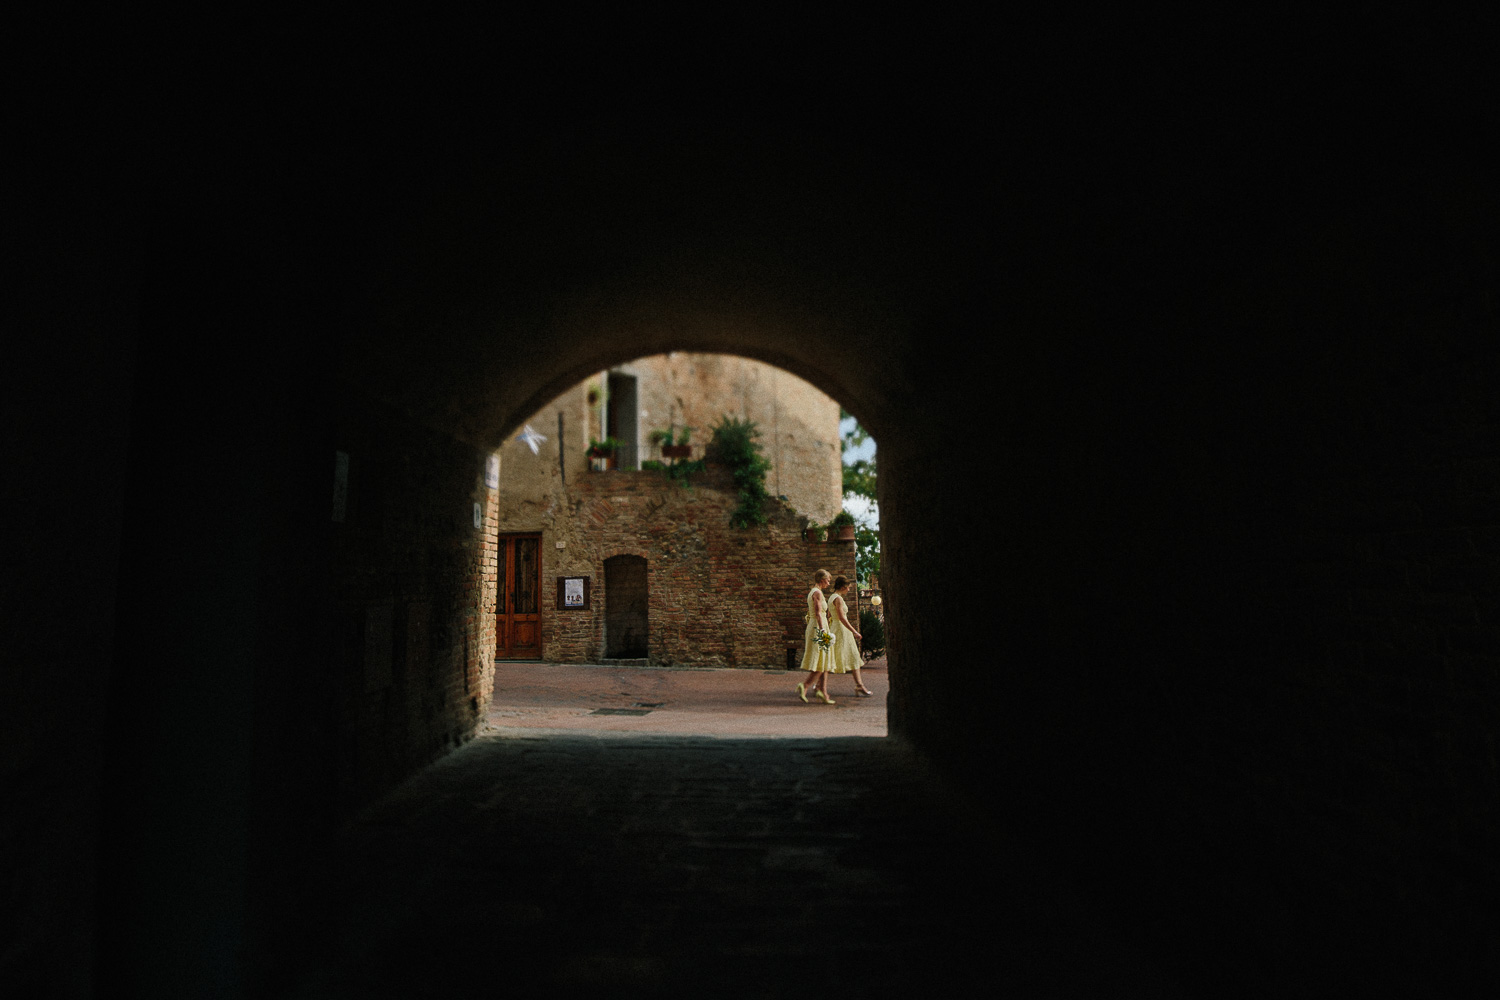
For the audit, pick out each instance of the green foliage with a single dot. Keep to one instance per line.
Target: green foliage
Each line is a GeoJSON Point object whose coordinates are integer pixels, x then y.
{"type": "Point", "coordinates": [670, 436]}
{"type": "Point", "coordinates": [602, 449]}
{"type": "Point", "coordinates": [676, 469]}
{"type": "Point", "coordinates": [680, 472]}
{"type": "Point", "coordinates": [859, 476]}
{"type": "Point", "coordinates": [734, 445]}
{"type": "Point", "coordinates": [866, 553]}
{"type": "Point", "coordinates": [840, 519]}
{"type": "Point", "coordinates": [859, 480]}
{"type": "Point", "coordinates": [871, 631]}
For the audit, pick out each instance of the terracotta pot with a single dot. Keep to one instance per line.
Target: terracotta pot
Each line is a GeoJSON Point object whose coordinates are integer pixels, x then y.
{"type": "Point", "coordinates": [846, 532]}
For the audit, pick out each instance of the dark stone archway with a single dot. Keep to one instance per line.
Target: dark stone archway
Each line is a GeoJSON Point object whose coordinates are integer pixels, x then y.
{"type": "Point", "coordinates": [1207, 419]}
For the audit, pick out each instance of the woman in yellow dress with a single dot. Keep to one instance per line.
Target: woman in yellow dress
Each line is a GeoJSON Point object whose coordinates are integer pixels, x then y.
{"type": "Point", "coordinates": [817, 659]}
{"type": "Point", "coordinates": [846, 655]}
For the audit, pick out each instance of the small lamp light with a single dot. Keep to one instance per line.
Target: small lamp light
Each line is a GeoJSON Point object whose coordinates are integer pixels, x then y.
{"type": "Point", "coordinates": [875, 600]}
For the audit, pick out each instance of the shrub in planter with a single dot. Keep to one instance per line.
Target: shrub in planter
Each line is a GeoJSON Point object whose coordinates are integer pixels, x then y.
{"type": "Point", "coordinates": [842, 526]}
{"type": "Point", "coordinates": [601, 454]}
{"type": "Point", "coordinates": [672, 443]}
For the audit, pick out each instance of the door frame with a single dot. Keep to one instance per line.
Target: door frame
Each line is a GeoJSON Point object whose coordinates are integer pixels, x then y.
{"type": "Point", "coordinates": [505, 556]}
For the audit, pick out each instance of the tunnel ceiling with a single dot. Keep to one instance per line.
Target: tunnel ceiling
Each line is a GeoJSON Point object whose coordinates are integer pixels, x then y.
{"type": "Point", "coordinates": [517, 274]}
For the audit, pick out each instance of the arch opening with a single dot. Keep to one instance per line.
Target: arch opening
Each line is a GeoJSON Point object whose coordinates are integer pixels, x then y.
{"type": "Point", "coordinates": [657, 560]}
{"type": "Point", "coordinates": [1141, 630]}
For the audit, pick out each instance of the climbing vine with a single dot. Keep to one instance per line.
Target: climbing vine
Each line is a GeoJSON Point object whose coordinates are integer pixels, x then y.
{"type": "Point", "coordinates": [734, 445]}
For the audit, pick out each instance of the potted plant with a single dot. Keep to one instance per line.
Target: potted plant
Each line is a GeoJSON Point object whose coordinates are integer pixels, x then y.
{"type": "Point", "coordinates": [842, 526]}
{"type": "Point", "coordinates": [673, 445]}
{"type": "Point", "coordinates": [601, 454]}
{"type": "Point", "coordinates": [813, 532]}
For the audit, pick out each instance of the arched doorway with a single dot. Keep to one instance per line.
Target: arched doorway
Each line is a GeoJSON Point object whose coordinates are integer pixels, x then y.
{"type": "Point", "coordinates": [627, 626]}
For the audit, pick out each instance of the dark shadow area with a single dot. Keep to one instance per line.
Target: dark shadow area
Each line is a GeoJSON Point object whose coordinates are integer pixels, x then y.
{"type": "Point", "coordinates": [652, 866]}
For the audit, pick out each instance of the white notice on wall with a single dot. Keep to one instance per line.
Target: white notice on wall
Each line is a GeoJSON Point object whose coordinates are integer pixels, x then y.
{"type": "Point", "coordinates": [478, 516]}
{"type": "Point", "coordinates": [492, 472]}
{"type": "Point", "coordinates": [572, 591]}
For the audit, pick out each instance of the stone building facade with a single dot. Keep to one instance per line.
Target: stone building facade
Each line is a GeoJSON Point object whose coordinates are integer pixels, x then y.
{"type": "Point", "coordinates": [658, 574]}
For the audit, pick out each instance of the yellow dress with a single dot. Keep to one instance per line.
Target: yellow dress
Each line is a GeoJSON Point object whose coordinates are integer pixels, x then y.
{"type": "Point", "coordinates": [815, 657]}
{"type": "Point", "coordinates": [845, 648]}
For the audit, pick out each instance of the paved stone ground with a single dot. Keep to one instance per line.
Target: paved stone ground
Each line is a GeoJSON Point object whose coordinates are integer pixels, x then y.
{"type": "Point", "coordinates": [722, 702]}
{"type": "Point", "coordinates": [617, 864]}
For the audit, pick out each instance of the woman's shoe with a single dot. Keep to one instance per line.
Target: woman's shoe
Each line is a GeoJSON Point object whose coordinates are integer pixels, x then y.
{"type": "Point", "coordinates": [864, 692]}
{"type": "Point", "coordinates": [823, 696]}
{"type": "Point", "coordinates": [802, 691]}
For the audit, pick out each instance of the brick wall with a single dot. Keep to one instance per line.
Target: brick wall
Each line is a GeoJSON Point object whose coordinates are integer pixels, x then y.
{"type": "Point", "coordinates": [718, 595]}
{"type": "Point", "coordinates": [415, 596]}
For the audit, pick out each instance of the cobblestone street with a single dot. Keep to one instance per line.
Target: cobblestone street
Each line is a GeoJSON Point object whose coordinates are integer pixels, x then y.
{"type": "Point", "coordinates": [685, 701]}
{"type": "Point", "coordinates": [613, 864]}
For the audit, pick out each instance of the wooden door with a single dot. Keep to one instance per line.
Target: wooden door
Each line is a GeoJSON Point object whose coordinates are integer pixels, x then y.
{"type": "Point", "coordinates": [518, 598]}
{"type": "Point", "coordinates": [627, 632]}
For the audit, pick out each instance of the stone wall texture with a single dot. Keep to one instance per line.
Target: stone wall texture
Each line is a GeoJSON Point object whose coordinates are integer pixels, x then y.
{"type": "Point", "coordinates": [798, 425]}
{"type": "Point", "coordinates": [718, 595]}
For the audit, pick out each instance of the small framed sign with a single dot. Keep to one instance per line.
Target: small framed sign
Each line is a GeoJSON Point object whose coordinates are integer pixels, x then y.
{"type": "Point", "coordinates": [573, 593]}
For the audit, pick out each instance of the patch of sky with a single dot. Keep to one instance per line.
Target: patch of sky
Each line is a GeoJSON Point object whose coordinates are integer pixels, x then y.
{"type": "Point", "coordinates": [864, 509]}
{"type": "Point", "coordinates": [865, 449]}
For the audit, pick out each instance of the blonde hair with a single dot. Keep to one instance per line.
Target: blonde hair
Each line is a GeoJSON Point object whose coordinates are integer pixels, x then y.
{"type": "Point", "coordinates": [822, 574]}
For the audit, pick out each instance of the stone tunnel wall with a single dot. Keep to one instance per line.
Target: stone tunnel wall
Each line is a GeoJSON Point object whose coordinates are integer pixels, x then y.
{"type": "Point", "coordinates": [414, 596]}
{"type": "Point", "coordinates": [1246, 616]}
